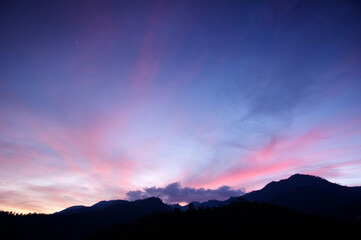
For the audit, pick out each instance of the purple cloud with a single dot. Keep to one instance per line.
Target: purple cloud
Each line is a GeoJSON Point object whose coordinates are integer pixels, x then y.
{"type": "Point", "coordinates": [175, 193]}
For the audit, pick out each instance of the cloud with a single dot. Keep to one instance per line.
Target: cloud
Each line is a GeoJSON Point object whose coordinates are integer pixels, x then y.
{"type": "Point", "coordinates": [175, 193]}
{"type": "Point", "coordinates": [317, 151]}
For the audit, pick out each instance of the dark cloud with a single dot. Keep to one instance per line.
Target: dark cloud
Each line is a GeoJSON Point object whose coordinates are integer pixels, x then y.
{"type": "Point", "coordinates": [174, 193]}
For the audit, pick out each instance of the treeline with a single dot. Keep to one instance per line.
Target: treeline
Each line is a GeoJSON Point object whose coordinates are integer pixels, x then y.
{"type": "Point", "coordinates": [239, 220]}
{"type": "Point", "coordinates": [45, 226]}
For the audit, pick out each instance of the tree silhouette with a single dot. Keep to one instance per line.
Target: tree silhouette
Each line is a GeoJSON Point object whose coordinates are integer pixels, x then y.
{"type": "Point", "coordinates": [191, 207]}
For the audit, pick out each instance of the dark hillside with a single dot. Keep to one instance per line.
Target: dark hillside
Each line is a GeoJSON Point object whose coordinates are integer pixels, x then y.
{"type": "Point", "coordinates": [311, 194]}
{"type": "Point", "coordinates": [239, 220]}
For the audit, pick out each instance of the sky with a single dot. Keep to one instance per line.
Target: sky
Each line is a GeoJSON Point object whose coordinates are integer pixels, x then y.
{"type": "Point", "coordinates": [184, 100]}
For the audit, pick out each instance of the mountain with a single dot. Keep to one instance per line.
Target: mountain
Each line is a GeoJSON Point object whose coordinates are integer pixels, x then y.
{"type": "Point", "coordinates": [306, 193]}
{"type": "Point", "coordinates": [120, 208]}
{"type": "Point", "coordinates": [73, 209]}
{"type": "Point", "coordinates": [82, 220]}
{"type": "Point", "coordinates": [239, 220]}
{"type": "Point", "coordinates": [256, 212]}
{"type": "Point", "coordinates": [311, 194]}
{"type": "Point", "coordinates": [96, 207]}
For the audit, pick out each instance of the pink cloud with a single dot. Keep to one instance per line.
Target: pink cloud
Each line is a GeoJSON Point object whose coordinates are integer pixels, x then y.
{"type": "Point", "coordinates": [58, 149]}
{"type": "Point", "coordinates": [45, 199]}
{"type": "Point", "coordinates": [285, 154]}
{"type": "Point", "coordinates": [331, 170]}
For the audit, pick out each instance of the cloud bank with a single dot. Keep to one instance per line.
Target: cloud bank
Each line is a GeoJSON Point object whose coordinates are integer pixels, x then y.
{"type": "Point", "coordinates": [175, 193]}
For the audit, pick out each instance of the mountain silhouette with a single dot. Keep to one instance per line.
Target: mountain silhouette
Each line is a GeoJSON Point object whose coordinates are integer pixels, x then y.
{"type": "Point", "coordinates": [306, 193]}
{"type": "Point", "coordinates": [311, 194]}
{"type": "Point", "coordinates": [303, 193]}
{"type": "Point", "coordinates": [96, 207]}
{"type": "Point", "coordinates": [82, 220]}
{"type": "Point", "coordinates": [238, 220]}
{"type": "Point", "coordinates": [119, 210]}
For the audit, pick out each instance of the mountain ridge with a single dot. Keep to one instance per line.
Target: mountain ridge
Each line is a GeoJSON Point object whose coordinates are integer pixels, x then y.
{"type": "Point", "coordinates": [301, 192]}
{"type": "Point", "coordinates": [311, 194]}
{"type": "Point", "coordinates": [106, 204]}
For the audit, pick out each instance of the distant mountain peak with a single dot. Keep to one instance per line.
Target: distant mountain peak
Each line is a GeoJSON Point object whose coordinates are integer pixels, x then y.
{"type": "Point", "coordinates": [152, 202]}
{"type": "Point", "coordinates": [300, 175]}
{"type": "Point", "coordinates": [151, 199]}
{"type": "Point", "coordinates": [105, 204]}
{"type": "Point", "coordinates": [310, 193]}
{"type": "Point", "coordinates": [306, 180]}
{"type": "Point", "coordinates": [306, 176]}
{"type": "Point", "coordinates": [299, 180]}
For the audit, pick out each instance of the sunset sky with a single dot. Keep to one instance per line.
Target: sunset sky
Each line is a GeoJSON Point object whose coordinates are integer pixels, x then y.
{"type": "Point", "coordinates": [108, 99]}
